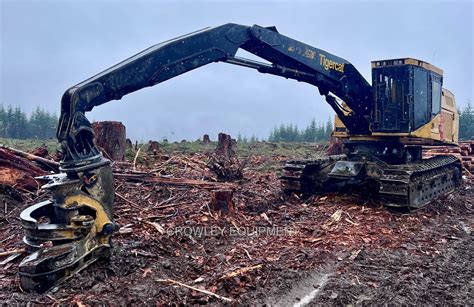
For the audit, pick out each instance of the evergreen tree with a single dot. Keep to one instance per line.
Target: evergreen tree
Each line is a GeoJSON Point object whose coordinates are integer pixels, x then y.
{"type": "Point", "coordinates": [311, 131]}
{"type": "Point", "coordinates": [466, 123]}
{"type": "Point", "coordinates": [320, 132]}
{"type": "Point", "coordinates": [9, 122]}
{"type": "Point", "coordinates": [271, 138]}
{"type": "Point", "coordinates": [3, 121]}
{"type": "Point", "coordinates": [329, 129]}
{"type": "Point", "coordinates": [19, 124]}
{"type": "Point", "coordinates": [14, 123]}
{"type": "Point", "coordinates": [239, 138]}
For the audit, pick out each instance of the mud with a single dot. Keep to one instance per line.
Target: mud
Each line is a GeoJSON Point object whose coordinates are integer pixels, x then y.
{"type": "Point", "coordinates": [370, 255]}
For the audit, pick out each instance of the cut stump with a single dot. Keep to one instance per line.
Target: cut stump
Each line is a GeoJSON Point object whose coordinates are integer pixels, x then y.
{"type": "Point", "coordinates": [110, 137]}
{"type": "Point", "coordinates": [153, 147]}
{"type": "Point", "coordinates": [225, 146]}
{"type": "Point", "coordinates": [221, 201]}
{"type": "Point", "coordinates": [224, 162]}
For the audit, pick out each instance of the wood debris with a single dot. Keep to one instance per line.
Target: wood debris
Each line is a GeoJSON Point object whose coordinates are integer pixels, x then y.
{"type": "Point", "coordinates": [168, 230]}
{"type": "Point", "coordinates": [195, 289]}
{"type": "Point", "coordinates": [174, 181]}
{"type": "Point", "coordinates": [17, 171]}
{"type": "Point", "coordinates": [241, 271]}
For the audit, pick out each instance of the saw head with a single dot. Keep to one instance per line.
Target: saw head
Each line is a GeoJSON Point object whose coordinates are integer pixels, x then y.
{"type": "Point", "coordinates": [69, 232]}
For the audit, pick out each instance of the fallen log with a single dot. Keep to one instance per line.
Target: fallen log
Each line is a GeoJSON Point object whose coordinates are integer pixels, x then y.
{"type": "Point", "coordinates": [16, 171]}
{"type": "Point", "coordinates": [209, 185]}
{"type": "Point", "coordinates": [31, 157]}
{"type": "Point", "coordinates": [12, 252]}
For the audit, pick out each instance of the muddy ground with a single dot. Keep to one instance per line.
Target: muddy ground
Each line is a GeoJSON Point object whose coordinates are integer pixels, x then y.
{"type": "Point", "coordinates": [331, 249]}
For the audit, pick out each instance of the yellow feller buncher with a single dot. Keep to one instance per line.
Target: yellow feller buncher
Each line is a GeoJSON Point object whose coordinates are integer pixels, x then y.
{"type": "Point", "coordinates": [384, 126]}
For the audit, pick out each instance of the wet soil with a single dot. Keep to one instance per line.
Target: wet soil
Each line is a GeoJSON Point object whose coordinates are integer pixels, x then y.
{"type": "Point", "coordinates": [328, 250]}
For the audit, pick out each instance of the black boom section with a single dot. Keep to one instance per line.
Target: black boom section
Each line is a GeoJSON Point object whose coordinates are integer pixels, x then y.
{"type": "Point", "coordinates": [330, 73]}
{"type": "Point", "coordinates": [333, 73]}
{"type": "Point", "coordinates": [289, 58]}
{"type": "Point", "coordinates": [147, 68]}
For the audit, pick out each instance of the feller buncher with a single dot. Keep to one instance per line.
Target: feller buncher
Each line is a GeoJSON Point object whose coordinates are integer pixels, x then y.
{"type": "Point", "coordinates": [384, 127]}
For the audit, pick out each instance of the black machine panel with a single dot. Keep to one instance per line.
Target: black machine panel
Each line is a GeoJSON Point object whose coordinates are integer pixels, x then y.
{"type": "Point", "coordinates": [406, 97]}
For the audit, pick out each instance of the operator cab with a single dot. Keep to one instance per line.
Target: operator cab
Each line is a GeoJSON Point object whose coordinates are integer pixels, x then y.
{"type": "Point", "coordinates": [406, 94]}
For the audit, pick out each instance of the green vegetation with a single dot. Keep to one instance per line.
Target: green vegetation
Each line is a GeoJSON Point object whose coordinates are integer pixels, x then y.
{"type": "Point", "coordinates": [466, 123]}
{"type": "Point", "coordinates": [29, 144]}
{"type": "Point", "coordinates": [243, 150]}
{"type": "Point", "coordinates": [15, 124]}
{"type": "Point", "coordinates": [312, 133]}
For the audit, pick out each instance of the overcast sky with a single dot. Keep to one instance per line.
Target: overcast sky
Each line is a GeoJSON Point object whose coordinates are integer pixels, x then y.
{"type": "Point", "coordinates": [48, 46]}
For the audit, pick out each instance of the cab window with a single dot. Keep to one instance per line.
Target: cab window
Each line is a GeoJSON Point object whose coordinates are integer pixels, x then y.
{"type": "Point", "coordinates": [421, 99]}
{"type": "Point", "coordinates": [436, 95]}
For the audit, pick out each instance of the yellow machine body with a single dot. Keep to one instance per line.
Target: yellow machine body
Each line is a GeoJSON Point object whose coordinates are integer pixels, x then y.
{"type": "Point", "coordinates": [443, 128]}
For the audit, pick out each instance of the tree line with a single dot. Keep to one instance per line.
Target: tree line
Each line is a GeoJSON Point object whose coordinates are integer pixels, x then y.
{"type": "Point", "coordinates": [322, 131]}
{"type": "Point", "coordinates": [40, 124]}
{"type": "Point", "coordinates": [314, 132]}
{"type": "Point", "coordinates": [16, 124]}
{"type": "Point", "coordinates": [466, 123]}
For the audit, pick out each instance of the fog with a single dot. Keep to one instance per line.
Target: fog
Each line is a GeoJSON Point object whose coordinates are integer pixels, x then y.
{"type": "Point", "coordinates": [48, 46]}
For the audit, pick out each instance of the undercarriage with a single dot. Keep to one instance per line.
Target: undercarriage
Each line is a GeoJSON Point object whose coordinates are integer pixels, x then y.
{"type": "Point", "coordinates": [409, 185]}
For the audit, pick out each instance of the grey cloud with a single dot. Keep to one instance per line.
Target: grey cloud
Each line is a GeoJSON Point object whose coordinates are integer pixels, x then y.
{"type": "Point", "coordinates": [48, 46]}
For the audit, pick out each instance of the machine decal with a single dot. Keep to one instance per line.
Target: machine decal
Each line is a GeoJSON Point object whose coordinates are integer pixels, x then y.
{"type": "Point", "coordinates": [329, 64]}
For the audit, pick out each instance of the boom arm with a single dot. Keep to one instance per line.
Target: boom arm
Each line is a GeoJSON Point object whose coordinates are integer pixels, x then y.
{"type": "Point", "coordinates": [290, 59]}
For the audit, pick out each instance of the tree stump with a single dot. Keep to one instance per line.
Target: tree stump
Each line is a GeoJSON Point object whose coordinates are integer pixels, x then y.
{"type": "Point", "coordinates": [224, 162]}
{"type": "Point", "coordinates": [110, 137]}
{"type": "Point", "coordinates": [153, 147]}
{"type": "Point", "coordinates": [129, 144]}
{"type": "Point", "coordinates": [206, 139]}
{"type": "Point", "coordinates": [225, 146]}
{"type": "Point", "coordinates": [221, 201]}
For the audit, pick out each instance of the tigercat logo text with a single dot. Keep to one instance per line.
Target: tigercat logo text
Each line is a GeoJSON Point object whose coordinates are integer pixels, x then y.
{"type": "Point", "coordinates": [326, 63]}
{"type": "Point", "coordinates": [329, 64]}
